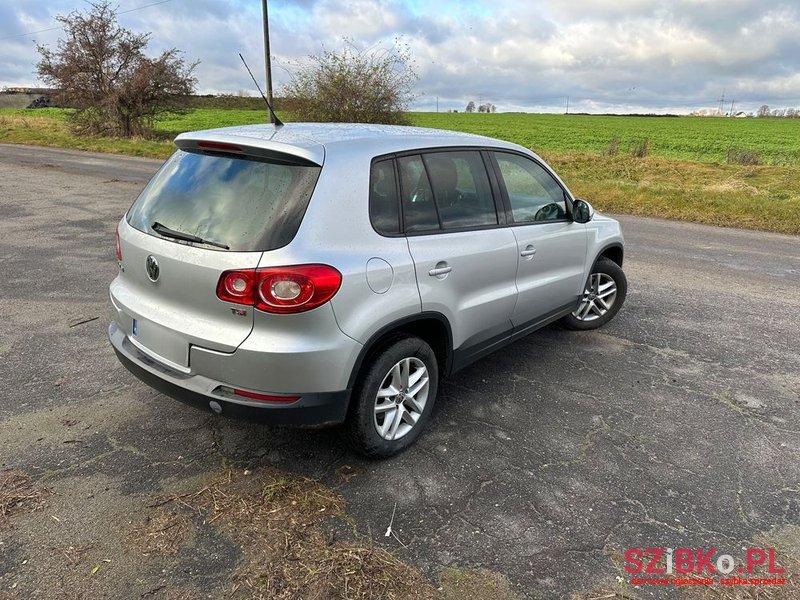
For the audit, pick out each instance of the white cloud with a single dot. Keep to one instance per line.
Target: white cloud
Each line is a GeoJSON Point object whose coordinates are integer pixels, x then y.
{"type": "Point", "coordinates": [603, 54]}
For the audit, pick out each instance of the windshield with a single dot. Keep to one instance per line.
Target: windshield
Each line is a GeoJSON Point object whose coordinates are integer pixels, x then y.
{"type": "Point", "coordinates": [242, 203]}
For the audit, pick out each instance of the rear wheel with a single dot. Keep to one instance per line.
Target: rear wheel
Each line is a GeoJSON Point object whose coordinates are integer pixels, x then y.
{"type": "Point", "coordinates": [394, 398]}
{"type": "Point", "coordinates": [602, 297]}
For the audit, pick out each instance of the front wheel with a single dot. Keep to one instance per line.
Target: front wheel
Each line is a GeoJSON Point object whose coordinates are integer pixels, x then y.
{"type": "Point", "coordinates": [394, 398]}
{"type": "Point", "coordinates": [602, 297]}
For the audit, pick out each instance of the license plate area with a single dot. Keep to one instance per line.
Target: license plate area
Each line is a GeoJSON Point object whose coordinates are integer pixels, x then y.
{"type": "Point", "coordinates": [161, 343]}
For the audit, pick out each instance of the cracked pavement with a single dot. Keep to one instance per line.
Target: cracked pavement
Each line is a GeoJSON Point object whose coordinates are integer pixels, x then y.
{"type": "Point", "coordinates": [675, 425]}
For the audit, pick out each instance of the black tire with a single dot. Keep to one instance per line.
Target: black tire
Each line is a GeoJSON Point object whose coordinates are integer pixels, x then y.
{"type": "Point", "coordinates": [604, 270]}
{"type": "Point", "coordinates": [364, 419]}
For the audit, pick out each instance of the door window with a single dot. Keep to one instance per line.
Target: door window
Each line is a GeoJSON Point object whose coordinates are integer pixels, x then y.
{"type": "Point", "coordinates": [419, 209]}
{"type": "Point", "coordinates": [533, 193]}
{"type": "Point", "coordinates": [446, 190]}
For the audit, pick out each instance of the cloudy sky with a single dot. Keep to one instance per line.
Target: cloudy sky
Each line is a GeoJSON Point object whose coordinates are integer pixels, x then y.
{"type": "Point", "coordinates": [604, 55]}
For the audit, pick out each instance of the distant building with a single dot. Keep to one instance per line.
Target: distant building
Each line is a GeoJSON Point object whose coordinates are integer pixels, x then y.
{"type": "Point", "coordinates": [29, 90]}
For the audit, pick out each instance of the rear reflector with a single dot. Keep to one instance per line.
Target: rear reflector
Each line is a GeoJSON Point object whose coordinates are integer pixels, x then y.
{"type": "Point", "coordinates": [266, 397]}
{"type": "Point", "coordinates": [119, 248]}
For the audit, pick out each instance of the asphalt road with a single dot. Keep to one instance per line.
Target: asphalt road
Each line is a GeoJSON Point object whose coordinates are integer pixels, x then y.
{"type": "Point", "coordinates": [674, 426]}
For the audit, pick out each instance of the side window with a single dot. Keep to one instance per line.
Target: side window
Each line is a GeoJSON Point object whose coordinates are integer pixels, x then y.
{"type": "Point", "coordinates": [383, 208]}
{"type": "Point", "coordinates": [461, 189]}
{"type": "Point", "coordinates": [533, 193]}
{"type": "Point", "coordinates": [419, 209]}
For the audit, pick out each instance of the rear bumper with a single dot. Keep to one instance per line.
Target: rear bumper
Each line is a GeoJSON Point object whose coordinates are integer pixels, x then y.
{"type": "Point", "coordinates": [314, 409]}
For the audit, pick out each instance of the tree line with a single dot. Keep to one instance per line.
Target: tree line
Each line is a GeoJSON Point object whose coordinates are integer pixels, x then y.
{"type": "Point", "coordinates": [486, 107]}
{"type": "Point", "coordinates": [787, 113]}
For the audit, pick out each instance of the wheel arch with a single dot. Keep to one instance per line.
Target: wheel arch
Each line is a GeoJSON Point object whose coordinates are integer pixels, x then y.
{"type": "Point", "coordinates": [432, 327]}
{"type": "Point", "coordinates": [613, 252]}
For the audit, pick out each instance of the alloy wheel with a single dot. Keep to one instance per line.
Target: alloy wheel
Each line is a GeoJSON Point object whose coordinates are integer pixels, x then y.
{"type": "Point", "coordinates": [598, 297]}
{"type": "Point", "coordinates": [401, 398]}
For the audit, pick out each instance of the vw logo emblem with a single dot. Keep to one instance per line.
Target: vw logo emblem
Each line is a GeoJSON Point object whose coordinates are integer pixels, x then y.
{"type": "Point", "coordinates": [152, 267]}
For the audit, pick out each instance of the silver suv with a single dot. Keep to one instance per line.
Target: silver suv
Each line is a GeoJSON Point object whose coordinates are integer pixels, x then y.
{"type": "Point", "coordinates": [320, 274]}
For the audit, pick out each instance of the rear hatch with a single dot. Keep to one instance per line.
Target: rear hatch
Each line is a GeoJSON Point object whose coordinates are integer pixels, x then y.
{"type": "Point", "coordinates": [213, 207]}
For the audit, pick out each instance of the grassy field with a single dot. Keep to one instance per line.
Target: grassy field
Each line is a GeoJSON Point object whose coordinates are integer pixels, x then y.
{"type": "Point", "coordinates": [704, 139]}
{"type": "Point", "coordinates": [685, 176]}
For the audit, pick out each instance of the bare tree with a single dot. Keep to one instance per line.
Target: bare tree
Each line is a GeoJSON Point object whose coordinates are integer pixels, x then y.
{"type": "Point", "coordinates": [763, 111]}
{"type": "Point", "coordinates": [100, 69]}
{"type": "Point", "coordinates": [470, 107]}
{"type": "Point", "coordinates": [352, 85]}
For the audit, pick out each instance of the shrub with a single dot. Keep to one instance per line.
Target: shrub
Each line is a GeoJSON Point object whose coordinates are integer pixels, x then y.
{"type": "Point", "coordinates": [365, 86]}
{"type": "Point", "coordinates": [641, 149]}
{"type": "Point", "coordinates": [612, 149]}
{"type": "Point", "coordinates": [743, 156]}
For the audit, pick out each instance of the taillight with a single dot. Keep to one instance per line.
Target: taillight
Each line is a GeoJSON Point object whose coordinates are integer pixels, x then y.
{"type": "Point", "coordinates": [237, 286]}
{"type": "Point", "coordinates": [119, 248]}
{"type": "Point", "coordinates": [280, 290]}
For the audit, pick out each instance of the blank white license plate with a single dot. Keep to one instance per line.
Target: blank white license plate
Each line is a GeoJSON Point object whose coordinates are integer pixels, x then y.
{"type": "Point", "coordinates": [160, 341]}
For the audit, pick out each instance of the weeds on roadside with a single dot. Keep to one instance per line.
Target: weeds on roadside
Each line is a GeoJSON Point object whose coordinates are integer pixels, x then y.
{"type": "Point", "coordinates": [612, 149]}
{"type": "Point", "coordinates": [641, 149]}
{"type": "Point", "coordinates": [743, 156]}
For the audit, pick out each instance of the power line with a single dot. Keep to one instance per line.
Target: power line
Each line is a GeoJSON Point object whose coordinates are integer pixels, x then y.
{"type": "Point", "coordinates": [122, 12]}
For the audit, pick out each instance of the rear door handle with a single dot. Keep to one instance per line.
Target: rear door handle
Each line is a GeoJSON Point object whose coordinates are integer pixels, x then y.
{"type": "Point", "coordinates": [442, 268]}
{"type": "Point", "coordinates": [528, 252]}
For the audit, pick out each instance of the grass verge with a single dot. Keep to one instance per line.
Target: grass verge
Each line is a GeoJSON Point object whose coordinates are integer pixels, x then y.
{"type": "Point", "coordinates": [759, 197]}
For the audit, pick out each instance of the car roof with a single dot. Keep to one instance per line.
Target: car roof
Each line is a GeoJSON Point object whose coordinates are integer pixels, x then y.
{"type": "Point", "coordinates": [312, 141]}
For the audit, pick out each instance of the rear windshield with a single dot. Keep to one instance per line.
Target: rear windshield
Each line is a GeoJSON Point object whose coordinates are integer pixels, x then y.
{"type": "Point", "coordinates": [243, 203]}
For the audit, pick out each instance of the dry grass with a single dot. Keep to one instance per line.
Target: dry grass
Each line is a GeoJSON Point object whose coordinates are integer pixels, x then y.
{"type": "Point", "coordinates": [163, 533]}
{"type": "Point", "coordinates": [18, 494]}
{"type": "Point", "coordinates": [274, 517]}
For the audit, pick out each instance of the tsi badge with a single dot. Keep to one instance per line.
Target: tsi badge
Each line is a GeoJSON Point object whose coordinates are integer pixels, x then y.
{"type": "Point", "coordinates": [153, 270]}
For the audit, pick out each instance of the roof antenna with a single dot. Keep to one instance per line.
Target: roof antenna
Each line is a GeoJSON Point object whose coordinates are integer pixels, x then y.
{"type": "Point", "coordinates": [273, 118]}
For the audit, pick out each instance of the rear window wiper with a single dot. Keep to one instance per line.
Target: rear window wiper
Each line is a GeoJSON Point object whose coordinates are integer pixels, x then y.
{"type": "Point", "coordinates": [186, 237]}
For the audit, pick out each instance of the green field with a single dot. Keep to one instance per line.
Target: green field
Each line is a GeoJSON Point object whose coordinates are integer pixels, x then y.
{"type": "Point", "coordinates": [701, 139]}
{"type": "Point", "coordinates": [686, 174]}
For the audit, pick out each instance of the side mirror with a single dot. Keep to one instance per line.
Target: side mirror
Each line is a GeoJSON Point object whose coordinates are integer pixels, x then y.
{"type": "Point", "coordinates": [582, 211]}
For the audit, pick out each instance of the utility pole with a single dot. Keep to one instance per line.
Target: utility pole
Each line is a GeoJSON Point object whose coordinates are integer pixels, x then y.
{"type": "Point", "coordinates": [267, 56]}
{"type": "Point", "coordinates": [732, 104]}
{"type": "Point", "coordinates": [721, 102]}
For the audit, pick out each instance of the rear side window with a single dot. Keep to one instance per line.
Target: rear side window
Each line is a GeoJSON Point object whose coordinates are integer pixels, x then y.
{"type": "Point", "coordinates": [461, 189]}
{"type": "Point", "coordinates": [383, 207]}
{"type": "Point", "coordinates": [419, 209]}
{"type": "Point", "coordinates": [246, 204]}
{"type": "Point", "coordinates": [446, 190]}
